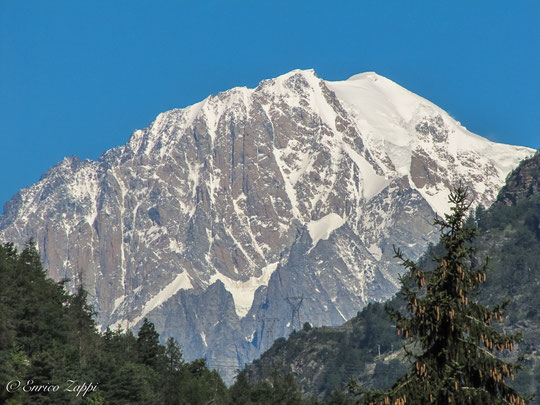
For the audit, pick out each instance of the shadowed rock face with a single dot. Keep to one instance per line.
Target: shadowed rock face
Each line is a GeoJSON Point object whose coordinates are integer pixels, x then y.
{"type": "Point", "coordinates": [207, 220]}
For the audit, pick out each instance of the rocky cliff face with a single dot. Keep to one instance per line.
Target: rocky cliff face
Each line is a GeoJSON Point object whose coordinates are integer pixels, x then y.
{"type": "Point", "coordinates": [523, 182]}
{"type": "Point", "coordinates": [207, 220]}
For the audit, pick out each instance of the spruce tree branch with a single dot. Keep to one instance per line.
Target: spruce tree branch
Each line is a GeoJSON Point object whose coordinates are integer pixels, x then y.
{"type": "Point", "coordinates": [404, 383]}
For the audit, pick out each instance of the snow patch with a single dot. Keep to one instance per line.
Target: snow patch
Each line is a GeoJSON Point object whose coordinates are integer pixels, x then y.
{"type": "Point", "coordinates": [289, 189]}
{"type": "Point", "coordinates": [375, 251]}
{"type": "Point", "coordinates": [118, 301]}
{"type": "Point", "coordinates": [176, 247]}
{"type": "Point", "coordinates": [243, 292]}
{"type": "Point", "coordinates": [181, 282]}
{"type": "Point", "coordinates": [203, 337]}
{"type": "Point", "coordinates": [373, 183]}
{"type": "Point", "coordinates": [340, 313]}
{"type": "Point", "coordinates": [250, 337]}
{"type": "Point", "coordinates": [322, 228]}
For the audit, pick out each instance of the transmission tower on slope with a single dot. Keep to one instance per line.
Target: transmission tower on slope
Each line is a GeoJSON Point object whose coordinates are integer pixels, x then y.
{"type": "Point", "coordinates": [295, 303]}
{"type": "Point", "coordinates": [269, 325]}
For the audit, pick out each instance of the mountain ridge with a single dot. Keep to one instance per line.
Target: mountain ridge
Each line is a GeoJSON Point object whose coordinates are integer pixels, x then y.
{"type": "Point", "coordinates": [297, 187]}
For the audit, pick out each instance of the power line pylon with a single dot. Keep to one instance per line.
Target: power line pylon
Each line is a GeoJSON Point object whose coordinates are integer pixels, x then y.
{"type": "Point", "coordinates": [269, 325]}
{"type": "Point", "coordinates": [295, 303]}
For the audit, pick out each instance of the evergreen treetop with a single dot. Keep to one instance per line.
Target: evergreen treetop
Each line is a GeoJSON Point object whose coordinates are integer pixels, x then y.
{"type": "Point", "coordinates": [452, 338]}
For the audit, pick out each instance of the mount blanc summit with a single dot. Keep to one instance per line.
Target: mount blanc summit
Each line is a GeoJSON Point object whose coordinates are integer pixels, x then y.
{"type": "Point", "coordinates": [209, 219]}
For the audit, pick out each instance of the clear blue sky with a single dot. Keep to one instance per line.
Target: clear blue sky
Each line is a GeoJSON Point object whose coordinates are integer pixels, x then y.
{"type": "Point", "coordinates": [77, 77]}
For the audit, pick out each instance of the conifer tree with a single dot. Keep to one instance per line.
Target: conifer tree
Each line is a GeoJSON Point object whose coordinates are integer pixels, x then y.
{"type": "Point", "coordinates": [453, 345]}
{"type": "Point", "coordinates": [150, 351]}
{"type": "Point", "coordinates": [173, 355]}
{"type": "Point", "coordinates": [83, 329]}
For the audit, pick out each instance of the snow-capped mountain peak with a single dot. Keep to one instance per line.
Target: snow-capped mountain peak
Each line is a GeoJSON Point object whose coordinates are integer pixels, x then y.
{"type": "Point", "coordinates": [209, 218]}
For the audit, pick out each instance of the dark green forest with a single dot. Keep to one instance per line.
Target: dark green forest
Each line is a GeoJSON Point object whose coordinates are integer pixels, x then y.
{"type": "Point", "coordinates": [52, 353]}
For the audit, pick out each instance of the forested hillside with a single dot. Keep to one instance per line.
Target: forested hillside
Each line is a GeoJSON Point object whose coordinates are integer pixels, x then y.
{"type": "Point", "coordinates": [51, 353]}
{"type": "Point", "coordinates": [323, 359]}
